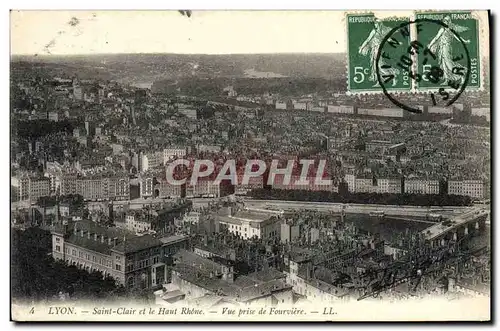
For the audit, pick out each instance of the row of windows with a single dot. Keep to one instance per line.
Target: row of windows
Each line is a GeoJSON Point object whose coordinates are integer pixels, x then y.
{"type": "Point", "coordinates": [143, 264]}
{"type": "Point", "coordinates": [237, 227]}
{"type": "Point", "coordinates": [86, 256]}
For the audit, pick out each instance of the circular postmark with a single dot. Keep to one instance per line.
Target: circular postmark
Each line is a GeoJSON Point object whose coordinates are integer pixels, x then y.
{"type": "Point", "coordinates": [437, 67]}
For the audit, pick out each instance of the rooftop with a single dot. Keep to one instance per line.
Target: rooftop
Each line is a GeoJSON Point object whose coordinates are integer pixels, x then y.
{"type": "Point", "coordinates": [196, 276]}
{"type": "Point", "coordinates": [89, 244]}
{"type": "Point", "coordinates": [204, 265]}
{"type": "Point", "coordinates": [172, 239]}
{"type": "Point", "coordinates": [253, 216]}
{"type": "Point", "coordinates": [266, 275]}
{"type": "Point", "coordinates": [260, 290]}
{"type": "Point", "coordinates": [210, 300]}
{"type": "Point", "coordinates": [137, 243]}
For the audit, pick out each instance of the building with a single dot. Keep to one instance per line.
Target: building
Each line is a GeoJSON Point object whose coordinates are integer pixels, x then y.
{"type": "Point", "coordinates": [253, 183]}
{"type": "Point", "coordinates": [191, 217]}
{"type": "Point", "coordinates": [197, 277]}
{"type": "Point", "coordinates": [318, 109]}
{"type": "Point", "coordinates": [340, 109]}
{"type": "Point", "coordinates": [289, 232]}
{"type": "Point", "coordinates": [137, 222]}
{"type": "Point", "coordinates": [335, 142]}
{"type": "Point", "coordinates": [209, 189]}
{"type": "Point", "coordinates": [472, 188]}
{"type": "Point", "coordinates": [117, 148]}
{"type": "Point", "coordinates": [364, 185]}
{"type": "Point", "coordinates": [208, 148]}
{"type": "Point", "coordinates": [249, 223]}
{"type": "Point", "coordinates": [96, 187]}
{"type": "Point", "coordinates": [350, 179]}
{"type": "Point", "coordinates": [385, 112]}
{"type": "Point", "coordinates": [53, 116]}
{"type": "Point", "coordinates": [77, 90]}
{"type": "Point", "coordinates": [54, 176]}
{"type": "Point", "coordinates": [300, 105]}
{"type": "Point", "coordinates": [121, 186]}
{"type": "Point", "coordinates": [133, 261]}
{"type": "Point", "coordinates": [314, 234]}
{"type": "Point", "coordinates": [421, 186]}
{"type": "Point", "coordinates": [313, 283]}
{"type": "Point", "coordinates": [284, 105]}
{"type": "Point", "coordinates": [310, 184]}
{"type": "Point", "coordinates": [440, 110]}
{"type": "Point", "coordinates": [389, 185]}
{"type": "Point", "coordinates": [31, 188]}
{"type": "Point", "coordinates": [187, 110]}
{"type": "Point", "coordinates": [378, 146]}
{"type": "Point", "coordinates": [173, 152]}
{"type": "Point", "coordinates": [171, 191]}
{"type": "Point", "coordinates": [152, 160]}
{"type": "Point", "coordinates": [210, 251]}
{"type": "Point", "coordinates": [481, 112]}
{"type": "Point", "coordinates": [171, 245]}
{"type": "Point", "coordinates": [147, 187]}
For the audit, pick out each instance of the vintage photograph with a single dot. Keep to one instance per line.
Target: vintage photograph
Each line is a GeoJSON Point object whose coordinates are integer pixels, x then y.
{"type": "Point", "coordinates": [197, 165]}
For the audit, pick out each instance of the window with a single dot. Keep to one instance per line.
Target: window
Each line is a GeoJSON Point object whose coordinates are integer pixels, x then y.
{"type": "Point", "coordinates": [73, 252]}
{"type": "Point", "coordinates": [94, 259]}
{"type": "Point", "coordinates": [58, 248]}
{"type": "Point", "coordinates": [118, 267]}
{"type": "Point", "coordinates": [131, 282]}
{"type": "Point", "coordinates": [58, 239]}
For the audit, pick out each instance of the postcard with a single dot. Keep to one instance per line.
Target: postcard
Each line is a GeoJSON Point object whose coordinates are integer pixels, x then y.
{"type": "Point", "coordinates": [197, 165]}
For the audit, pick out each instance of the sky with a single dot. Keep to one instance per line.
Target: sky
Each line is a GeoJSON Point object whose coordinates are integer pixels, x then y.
{"type": "Point", "coordinates": [205, 32]}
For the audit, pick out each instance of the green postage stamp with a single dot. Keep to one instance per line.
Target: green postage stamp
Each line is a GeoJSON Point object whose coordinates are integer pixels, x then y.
{"type": "Point", "coordinates": [448, 45]}
{"type": "Point", "coordinates": [422, 52]}
{"type": "Point", "coordinates": [365, 34]}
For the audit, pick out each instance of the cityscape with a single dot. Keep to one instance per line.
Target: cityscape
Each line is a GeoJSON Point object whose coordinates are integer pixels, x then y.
{"type": "Point", "coordinates": [200, 182]}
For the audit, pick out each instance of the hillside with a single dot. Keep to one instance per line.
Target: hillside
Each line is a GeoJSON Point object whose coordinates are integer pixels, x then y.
{"type": "Point", "coordinates": [148, 68]}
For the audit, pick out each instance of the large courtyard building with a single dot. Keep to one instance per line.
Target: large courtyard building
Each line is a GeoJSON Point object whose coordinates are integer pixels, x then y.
{"type": "Point", "coordinates": [133, 261]}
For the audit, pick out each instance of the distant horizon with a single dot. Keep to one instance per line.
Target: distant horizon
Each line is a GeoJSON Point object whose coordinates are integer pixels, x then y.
{"type": "Point", "coordinates": [173, 53]}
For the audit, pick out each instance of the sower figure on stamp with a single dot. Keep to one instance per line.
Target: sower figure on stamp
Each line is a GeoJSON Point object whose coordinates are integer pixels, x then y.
{"type": "Point", "coordinates": [441, 46]}
{"type": "Point", "coordinates": [370, 48]}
